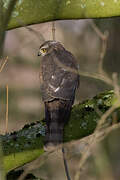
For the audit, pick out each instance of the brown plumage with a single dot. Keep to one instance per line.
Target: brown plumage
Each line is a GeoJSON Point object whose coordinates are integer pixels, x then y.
{"type": "Point", "coordinates": [59, 80]}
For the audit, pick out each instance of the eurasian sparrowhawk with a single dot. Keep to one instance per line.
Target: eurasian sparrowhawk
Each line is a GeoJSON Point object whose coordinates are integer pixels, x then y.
{"type": "Point", "coordinates": [59, 80]}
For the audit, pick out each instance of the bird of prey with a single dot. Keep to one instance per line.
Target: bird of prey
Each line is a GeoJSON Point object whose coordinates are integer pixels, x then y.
{"type": "Point", "coordinates": [59, 80]}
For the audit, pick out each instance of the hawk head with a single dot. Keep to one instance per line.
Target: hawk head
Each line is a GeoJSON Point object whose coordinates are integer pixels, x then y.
{"type": "Point", "coordinates": [48, 46]}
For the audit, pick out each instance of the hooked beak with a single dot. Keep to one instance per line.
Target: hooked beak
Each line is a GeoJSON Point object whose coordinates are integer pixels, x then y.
{"type": "Point", "coordinates": [39, 53]}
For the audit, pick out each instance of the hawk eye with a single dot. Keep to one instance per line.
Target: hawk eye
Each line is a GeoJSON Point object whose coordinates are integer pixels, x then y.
{"type": "Point", "coordinates": [43, 50]}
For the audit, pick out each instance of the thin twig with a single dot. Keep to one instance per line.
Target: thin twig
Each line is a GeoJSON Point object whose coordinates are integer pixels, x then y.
{"type": "Point", "coordinates": [102, 54]}
{"type": "Point", "coordinates": [40, 161]}
{"type": "Point", "coordinates": [115, 84]}
{"type": "Point", "coordinates": [100, 34]}
{"type": "Point", "coordinates": [98, 127]}
{"type": "Point", "coordinates": [6, 129]}
{"type": "Point", "coordinates": [53, 30]}
{"type": "Point", "coordinates": [103, 37]}
{"type": "Point", "coordinates": [92, 141]}
{"type": "Point", "coordinates": [2, 65]}
{"type": "Point", "coordinates": [39, 36]}
{"type": "Point", "coordinates": [85, 74]}
{"type": "Point", "coordinates": [106, 114]}
{"type": "Point", "coordinates": [35, 164]}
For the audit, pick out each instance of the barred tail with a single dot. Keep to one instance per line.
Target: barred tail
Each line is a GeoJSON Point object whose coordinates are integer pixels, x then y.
{"type": "Point", "coordinates": [57, 113]}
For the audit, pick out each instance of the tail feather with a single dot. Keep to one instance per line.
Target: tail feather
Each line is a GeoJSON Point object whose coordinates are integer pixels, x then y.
{"type": "Point", "coordinates": [57, 113]}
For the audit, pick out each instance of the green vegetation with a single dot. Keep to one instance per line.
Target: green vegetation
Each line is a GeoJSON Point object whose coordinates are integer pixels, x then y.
{"type": "Point", "coordinates": [84, 116]}
{"type": "Point", "coordinates": [49, 10]}
{"type": "Point", "coordinates": [27, 144]}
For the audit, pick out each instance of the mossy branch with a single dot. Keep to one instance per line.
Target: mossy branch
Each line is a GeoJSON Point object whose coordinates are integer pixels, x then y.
{"type": "Point", "coordinates": [27, 144]}
{"type": "Point", "coordinates": [36, 11]}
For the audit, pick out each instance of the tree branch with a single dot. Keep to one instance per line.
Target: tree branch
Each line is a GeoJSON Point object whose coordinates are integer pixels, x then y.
{"type": "Point", "coordinates": [39, 11]}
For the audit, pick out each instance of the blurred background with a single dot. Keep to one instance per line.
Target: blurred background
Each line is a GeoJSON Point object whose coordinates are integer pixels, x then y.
{"type": "Point", "coordinates": [21, 72]}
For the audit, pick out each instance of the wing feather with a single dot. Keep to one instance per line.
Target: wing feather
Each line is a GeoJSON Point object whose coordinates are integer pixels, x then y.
{"type": "Point", "coordinates": [63, 67]}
